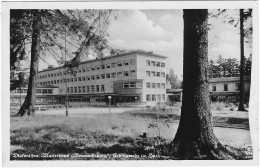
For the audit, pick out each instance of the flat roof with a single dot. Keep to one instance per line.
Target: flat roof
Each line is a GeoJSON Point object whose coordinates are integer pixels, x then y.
{"type": "Point", "coordinates": [112, 56]}
{"type": "Point", "coordinates": [228, 79]}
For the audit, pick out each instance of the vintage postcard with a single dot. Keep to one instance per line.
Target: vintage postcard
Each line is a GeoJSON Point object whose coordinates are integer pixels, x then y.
{"type": "Point", "coordinates": [130, 83]}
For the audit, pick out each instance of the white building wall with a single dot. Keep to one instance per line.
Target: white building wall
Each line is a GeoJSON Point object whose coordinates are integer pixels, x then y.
{"type": "Point", "coordinates": [142, 68]}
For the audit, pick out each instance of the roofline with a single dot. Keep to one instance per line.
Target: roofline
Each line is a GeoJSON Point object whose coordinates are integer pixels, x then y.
{"type": "Point", "coordinates": [111, 56]}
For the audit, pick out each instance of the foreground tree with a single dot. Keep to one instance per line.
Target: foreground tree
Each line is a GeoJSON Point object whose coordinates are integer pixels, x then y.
{"type": "Point", "coordinates": [45, 30]}
{"type": "Point", "coordinates": [195, 138]}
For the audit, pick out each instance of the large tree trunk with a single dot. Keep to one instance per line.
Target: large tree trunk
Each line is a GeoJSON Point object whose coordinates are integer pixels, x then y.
{"type": "Point", "coordinates": [242, 82]}
{"type": "Point", "coordinates": [195, 138]}
{"type": "Point", "coordinates": [29, 103]}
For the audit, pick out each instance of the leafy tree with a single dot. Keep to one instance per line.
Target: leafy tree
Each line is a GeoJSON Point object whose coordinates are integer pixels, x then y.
{"type": "Point", "coordinates": [245, 15]}
{"type": "Point", "coordinates": [173, 80]}
{"type": "Point", "coordinates": [42, 31]}
{"type": "Point", "coordinates": [195, 138]}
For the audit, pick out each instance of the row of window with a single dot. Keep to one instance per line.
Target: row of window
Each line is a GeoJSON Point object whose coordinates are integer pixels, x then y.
{"type": "Point", "coordinates": [155, 85]}
{"type": "Point", "coordinates": [225, 88]}
{"type": "Point", "coordinates": [43, 91]}
{"type": "Point", "coordinates": [153, 74]}
{"type": "Point", "coordinates": [132, 85]}
{"type": "Point", "coordinates": [86, 89]}
{"type": "Point", "coordinates": [155, 97]}
{"type": "Point", "coordinates": [92, 77]}
{"type": "Point", "coordinates": [155, 63]}
{"type": "Point", "coordinates": [94, 68]}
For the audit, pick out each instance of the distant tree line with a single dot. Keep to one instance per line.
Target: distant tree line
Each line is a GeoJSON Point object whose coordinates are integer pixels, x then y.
{"type": "Point", "coordinates": [228, 67]}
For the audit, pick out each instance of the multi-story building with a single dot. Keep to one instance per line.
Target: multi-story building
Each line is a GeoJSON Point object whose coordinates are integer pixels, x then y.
{"type": "Point", "coordinates": [135, 76]}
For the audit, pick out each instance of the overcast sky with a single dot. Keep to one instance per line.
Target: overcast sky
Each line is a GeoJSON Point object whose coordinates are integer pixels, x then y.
{"type": "Point", "coordinates": [161, 31]}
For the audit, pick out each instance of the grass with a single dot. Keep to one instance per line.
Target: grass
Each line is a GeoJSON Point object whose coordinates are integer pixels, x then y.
{"type": "Point", "coordinates": [97, 134]}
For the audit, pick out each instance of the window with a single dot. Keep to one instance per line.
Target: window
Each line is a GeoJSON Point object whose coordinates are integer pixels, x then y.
{"type": "Point", "coordinates": [51, 82]}
{"type": "Point", "coordinates": [79, 89]}
{"type": "Point", "coordinates": [75, 89]}
{"type": "Point", "coordinates": [153, 63]}
{"type": "Point", "coordinates": [97, 88]}
{"type": "Point", "coordinates": [108, 75]}
{"type": "Point", "coordinates": [75, 79]}
{"type": "Point", "coordinates": [148, 63]}
{"type": "Point", "coordinates": [153, 85]}
{"type": "Point", "coordinates": [83, 89]}
{"type": "Point", "coordinates": [97, 67]}
{"type": "Point", "coordinates": [132, 73]}
{"type": "Point", "coordinates": [225, 87]}
{"type": "Point", "coordinates": [79, 70]}
{"type": "Point", "coordinates": [68, 89]}
{"type": "Point", "coordinates": [163, 97]}
{"type": "Point", "coordinates": [119, 74]}
{"type": "Point", "coordinates": [97, 77]}
{"type": "Point", "coordinates": [163, 85]}
{"type": "Point", "coordinates": [158, 97]}
{"type": "Point", "coordinates": [58, 74]}
{"type": "Point", "coordinates": [158, 85]}
{"type": "Point", "coordinates": [113, 65]}
{"type": "Point", "coordinates": [119, 64]}
{"type": "Point", "coordinates": [93, 68]}
{"type": "Point", "coordinates": [83, 70]}
{"type": "Point", "coordinates": [148, 73]}
{"type": "Point", "coordinates": [162, 64]}
{"type": "Point", "coordinates": [54, 81]}
{"type": "Point", "coordinates": [76, 71]}
{"type": "Point", "coordinates": [79, 78]}
{"type": "Point", "coordinates": [102, 76]}
{"type": "Point", "coordinates": [51, 75]}
{"type": "Point", "coordinates": [58, 81]}
{"type": "Point", "coordinates": [87, 69]}
{"type": "Point", "coordinates": [125, 85]}
{"type": "Point", "coordinates": [102, 66]}
{"type": "Point", "coordinates": [113, 75]}
{"type": "Point", "coordinates": [71, 89]}
{"type": "Point", "coordinates": [163, 74]}
{"type": "Point", "coordinates": [93, 88]}
{"type": "Point", "coordinates": [49, 90]}
{"type": "Point", "coordinates": [132, 85]}
{"type": "Point", "coordinates": [132, 61]}
{"type": "Point", "coordinates": [68, 80]}
{"type": "Point", "coordinates": [83, 78]}
{"type": "Point", "coordinates": [153, 74]}
{"type": "Point", "coordinates": [126, 73]}
{"type": "Point", "coordinates": [88, 89]}
{"type": "Point", "coordinates": [214, 88]}
{"type": "Point", "coordinates": [158, 74]}
{"type": "Point", "coordinates": [102, 88]}
{"type": "Point", "coordinates": [237, 86]}
{"type": "Point", "coordinates": [108, 66]}
{"type": "Point", "coordinates": [92, 77]}
{"type": "Point", "coordinates": [148, 85]}
{"type": "Point", "coordinates": [153, 97]}
{"type": "Point", "coordinates": [43, 91]}
{"type": "Point", "coordinates": [158, 64]}
{"type": "Point", "coordinates": [64, 80]}
{"type": "Point", "coordinates": [54, 75]}
{"type": "Point", "coordinates": [126, 63]}
{"type": "Point", "coordinates": [38, 91]}
{"type": "Point", "coordinates": [88, 77]}
{"type": "Point", "coordinates": [148, 97]}
{"type": "Point", "coordinates": [71, 79]}
{"type": "Point", "coordinates": [64, 74]}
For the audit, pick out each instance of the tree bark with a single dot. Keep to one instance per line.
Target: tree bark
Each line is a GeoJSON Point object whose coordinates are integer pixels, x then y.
{"type": "Point", "coordinates": [195, 138]}
{"type": "Point", "coordinates": [242, 81]}
{"type": "Point", "coordinates": [29, 103]}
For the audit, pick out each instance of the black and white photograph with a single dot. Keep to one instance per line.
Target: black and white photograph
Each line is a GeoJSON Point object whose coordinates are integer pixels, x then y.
{"type": "Point", "coordinates": [130, 81]}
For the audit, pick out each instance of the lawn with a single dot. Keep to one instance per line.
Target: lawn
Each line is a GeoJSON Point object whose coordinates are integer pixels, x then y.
{"type": "Point", "coordinates": [100, 136]}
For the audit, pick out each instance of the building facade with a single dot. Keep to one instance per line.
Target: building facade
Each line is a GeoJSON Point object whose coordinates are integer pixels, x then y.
{"type": "Point", "coordinates": [228, 89]}
{"type": "Point", "coordinates": [135, 76]}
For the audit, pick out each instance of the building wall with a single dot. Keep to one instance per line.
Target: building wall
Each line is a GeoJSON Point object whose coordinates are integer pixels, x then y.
{"type": "Point", "coordinates": [107, 82]}
{"type": "Point", "coordinates": [136, 70]}
{"type": "Point", "coordinates": [231, 86]}
{"type": "Point", "coordinates": [142, 69]}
